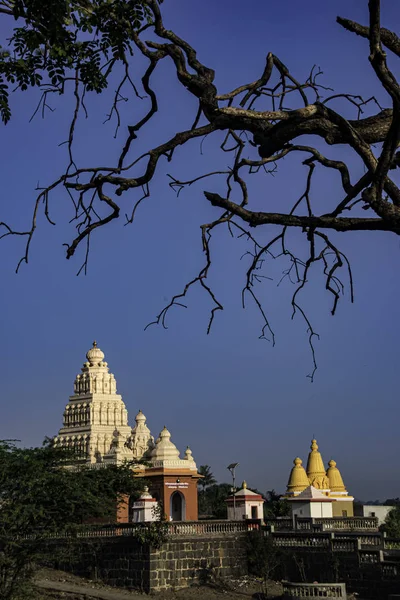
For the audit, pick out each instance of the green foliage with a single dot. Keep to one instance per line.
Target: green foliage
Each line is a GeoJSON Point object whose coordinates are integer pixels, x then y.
{"type": "Point", "coordinates": [212, 496]}
{"type": "Point", "coordinates": [263, 557]}
{"type": "Point", "coordinates": [392, 523]}
{"type": "Point", "coordinates": [156, 532]}
{"type": "Point", "coordinates": [56, 41]}
{"type": "Point", "coordinates": [45, 490]}
{"type": "Point", "coordinates": [212, 500]}
{"type": "Point", "coordinates": [207, 477]}
{"type": "Point", "coordinates": [37, 492]}
{"type": "Point", "coordinates": [392, 502]}
{"type": "Point", "coordinates": [274, 507]}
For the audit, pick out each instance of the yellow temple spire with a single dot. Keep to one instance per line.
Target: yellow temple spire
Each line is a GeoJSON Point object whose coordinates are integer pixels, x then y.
{"type": "Point", "coordinates": [298, 480]}
{"type": "Point", "coordinates": [315, 468]}
{"type": "Point", "coordinates": [328, 483]}
{"type": "Point", "coordinates": [335, 479]}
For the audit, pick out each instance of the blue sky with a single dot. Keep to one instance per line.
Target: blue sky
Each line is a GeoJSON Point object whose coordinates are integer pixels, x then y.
{"type": "Point", "coordinates": [229, 395]}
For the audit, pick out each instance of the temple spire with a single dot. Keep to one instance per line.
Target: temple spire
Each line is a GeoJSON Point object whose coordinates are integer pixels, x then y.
{"type": "Point", "coordinates": [335, 479]}
{"type": "Point", "coordinates": [95, 411]}
{"type": "Point", "coordinates": [315, 468]}
{"type": "Point", "coordinates": [298, 480]}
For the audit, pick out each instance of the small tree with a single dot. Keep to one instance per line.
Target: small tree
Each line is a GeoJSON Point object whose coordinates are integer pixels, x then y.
{"type": "Point", "coordinates": [275, 507]}
{"type": "Point", "coordinates": [212, 501]}
{"type": "Point", "coordinates": [264, 559]}
{"type": "Point", "coordinates": [392, 523]}
{"type": "Point", "coordinates": [39, 496]}
{"type": "Point", "coordinates": [392, 502]}
{"type": "Point", "coordinates": [207, 477]}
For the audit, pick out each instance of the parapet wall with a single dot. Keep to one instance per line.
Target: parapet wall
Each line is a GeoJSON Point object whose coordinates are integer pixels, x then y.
{"type": "Point", "coordinates": [368, 563]}
{"type": "Point", "coordinates": [201, 552]}
{"type": "Point", "coordinates": [182, 562]}
{"type": "Point", "coordinates": [178, 563]}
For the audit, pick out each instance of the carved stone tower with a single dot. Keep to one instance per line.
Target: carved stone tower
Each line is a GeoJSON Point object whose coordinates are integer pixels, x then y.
{"type": "Point", "coordinates": [95, 413]}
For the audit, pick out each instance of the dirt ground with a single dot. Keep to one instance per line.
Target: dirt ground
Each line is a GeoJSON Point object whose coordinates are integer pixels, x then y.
{"type": "Point", "coordinates": [58, 585]}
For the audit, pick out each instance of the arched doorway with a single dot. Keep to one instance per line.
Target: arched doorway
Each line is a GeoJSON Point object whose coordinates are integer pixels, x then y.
{"type": "Point", "coordinates": [177, 507]}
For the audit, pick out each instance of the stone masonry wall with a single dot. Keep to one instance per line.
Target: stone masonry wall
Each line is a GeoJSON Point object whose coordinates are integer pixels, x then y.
{"type": "Point", "coordinates": [184, 561]}
{"type": "Point", "coordinates": [120, 562]}
{"type": "Point", "coordinates": [124, 562]}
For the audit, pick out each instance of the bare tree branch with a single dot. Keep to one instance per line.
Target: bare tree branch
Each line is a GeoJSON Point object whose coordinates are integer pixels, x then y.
{"type": "Point", "coordinates": [268, 116]}
{"type": "Point", "coordinates": [323, 222]}
{"type": "Point", "coordinates": [389, 39]}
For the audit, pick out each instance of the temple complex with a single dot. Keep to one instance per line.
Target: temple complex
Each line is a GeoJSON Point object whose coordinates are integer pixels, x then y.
{"type": "Point", "coordinates": [328, 483]}
{"type": "Point", "coordinates": [95, 426]}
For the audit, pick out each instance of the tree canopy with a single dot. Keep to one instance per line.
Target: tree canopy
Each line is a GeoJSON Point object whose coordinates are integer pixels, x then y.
{"type": "Point", "coordinates": [392, 523]}
{"type": "Point", "coordinates": [275, 506]}
{"type": "Point", "coordinates": [212, 501]}
{"type": "Point", "coordinates": [40, 496]}
{"type": "Point", "coordinates": [78, 47]}
{"type": "Point", "coordinates": [207, 477]}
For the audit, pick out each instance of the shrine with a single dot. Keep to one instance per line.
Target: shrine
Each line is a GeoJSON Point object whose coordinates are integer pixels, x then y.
{"type": "Point", "coordinates": [311, 503]}
{"type": "Point", "coordinates": [95, 426]}
{"type": "Point", "coordinates": [314, 482]}
{"type": "Point", "coordinates": [245, 504]}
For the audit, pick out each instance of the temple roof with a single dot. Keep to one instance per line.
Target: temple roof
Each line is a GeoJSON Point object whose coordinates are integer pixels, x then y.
{"type": "Point", "coordinates": [298, 479]}
{"type": "Point", "coordinates": [315, 464]}
{"type": "Point", "coordinates": [246, 492]}
{"type": "Point", "coordinates": [243, 494]}
{"type": "Point", "coordinates": [140, 418]}
{"type": "Point", "coordinates": [311, 494]}
{"type": "Point", "coordinates": [335, 479]}
{"type": "Point", "coordinates": [95, 355]}
{"type": "Point", "coordinates": [164, 448]}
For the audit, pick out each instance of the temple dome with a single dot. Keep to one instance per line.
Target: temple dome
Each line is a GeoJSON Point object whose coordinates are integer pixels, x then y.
{"type": "Point", "coordinates": [164, 448]}
{"type": "Point", "coordinates": [95, 355]}
{"type": "Point", "coordinates": [140, 418]}
{"type": "Point", "coordinates": [335, 479]}
{"type": "Point", "coordinates": [188, 454]}
{"type": "Point", "coordinates": [315, 468]}
{"type": "Point", "coordinates": [141, 441]}
{"type": "Point", "coordinates": [298, 480]}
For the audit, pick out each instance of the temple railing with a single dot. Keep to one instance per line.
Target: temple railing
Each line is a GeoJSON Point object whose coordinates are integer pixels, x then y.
{"type": "Point", "coordinates": [347, 523]}
{"type": "Point", "coordinates": [391, 544]}
{"type": "Point", "coordinates": [279, 524]}
{"type": "Point", "coordinates": [344, 544]}
{"type": "Point", "coordinates": [181, 528]}
{"type": "Point", "coordinates": [390, 570]}
{"type": "Point", "coordinates": [370, 556]}
{"type": "Point", "coordinates": [338, 542]}
{"type": "Point", "coordinates": [291, 540]}
{"type": "Point", "coordinates": [324, 524]}
{"type": "Point", "coordinates": [364, 540]}
{"type": "Point", "coordinates": [314, 590]}
{"type": "Point", "coordinates": [102, 531]}
{"type": "Point", "coordinates": [211, 527]}
{"type": "Point", "coordinates": [304, 524]}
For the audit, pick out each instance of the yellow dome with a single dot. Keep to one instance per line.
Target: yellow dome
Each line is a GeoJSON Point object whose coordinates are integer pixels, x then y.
{"type": "Point", "coordinates": [298, 480]}
{"type": "Point", "coordinates": [335, 479]}
{"type": "Point", "coordinates": [315, 468]}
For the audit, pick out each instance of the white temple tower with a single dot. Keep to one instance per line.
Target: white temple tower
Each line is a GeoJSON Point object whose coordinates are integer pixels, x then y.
{"type": "Point", "coordinates": [95, 426]}
{"type": "Point", "coordinates": [95, 415]}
